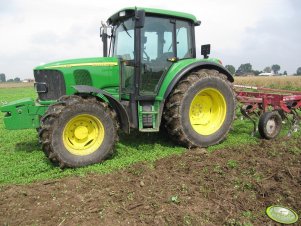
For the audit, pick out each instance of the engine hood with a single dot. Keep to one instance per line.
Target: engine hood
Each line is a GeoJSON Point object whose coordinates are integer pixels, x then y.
{"type": "Point", "coordinates": [80, 62]}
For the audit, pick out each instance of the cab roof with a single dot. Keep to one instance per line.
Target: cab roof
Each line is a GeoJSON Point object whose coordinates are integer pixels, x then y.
{"type": "Point", "coordinates": [162, 12]}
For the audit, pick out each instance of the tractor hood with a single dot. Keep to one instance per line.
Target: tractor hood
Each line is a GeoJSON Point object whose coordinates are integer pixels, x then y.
{"type": "Point", "coordinates": [80, 63]}
{"type": "Point", "coordinates": [59, 78]}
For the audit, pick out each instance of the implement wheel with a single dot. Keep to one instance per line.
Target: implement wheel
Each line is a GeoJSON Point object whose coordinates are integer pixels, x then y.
{"type": "Point", "coordinates": [78, 132]}
{"type": "Point", "coordinates": [201, 109]}
{"type": "Point", "coordinates": [270, 124]}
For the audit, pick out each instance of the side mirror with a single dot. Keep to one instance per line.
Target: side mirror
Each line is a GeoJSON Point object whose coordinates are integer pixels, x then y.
{"type": "Point", "coordinates": [140, 18]}
{"type": "Point", "coordinates": [205, 50]}
{"type": "Point", "coordinates": [105, 30]}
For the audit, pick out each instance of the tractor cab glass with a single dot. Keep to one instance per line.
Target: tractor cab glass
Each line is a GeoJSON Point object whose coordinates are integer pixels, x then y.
{"type": "Point", "coordinates": [162, 42]}
{"type": "Point", "coordinates": [156, 48]}
{"type": "Point", "coordinates": [123, 48]}
{"type": "Point", "coordinates": [160, 49]}
{"type": "Point", "coordinates": [124, 40]}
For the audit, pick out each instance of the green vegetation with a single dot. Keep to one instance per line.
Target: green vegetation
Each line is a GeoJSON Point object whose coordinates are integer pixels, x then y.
{"type": "Point", "coordinates": [22, 160]}
{"type": "Point", "coordinates": [275, 68]}
{"type": "Point", "coordinates": [232, 163]}
{"type": "Point", "coordinates": [231, 68]}
{"type": "Point", "coordinates": [298, 71]}
{"type": "Point", "coordinates": [175, 199]}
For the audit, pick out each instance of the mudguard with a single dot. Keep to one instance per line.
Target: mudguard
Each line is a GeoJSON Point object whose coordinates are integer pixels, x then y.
{"type": "Point", "coordinates": [197, 66]}
{"type": "Point", "coordinates": [113, 102]}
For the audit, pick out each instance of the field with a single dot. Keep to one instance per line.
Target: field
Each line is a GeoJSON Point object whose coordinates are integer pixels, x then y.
{"type": "Point", "coordinates": [16, 84]}
{"type": "Point", "coordinates": [151, 180]}
{"type": "Point", "coordinates": [276, 82]}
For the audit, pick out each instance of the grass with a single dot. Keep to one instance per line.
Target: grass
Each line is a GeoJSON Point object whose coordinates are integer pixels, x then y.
{"type": "Point", "coordinates": [232, 163]}
{"type": "Point", "coordinates": [22, 160]}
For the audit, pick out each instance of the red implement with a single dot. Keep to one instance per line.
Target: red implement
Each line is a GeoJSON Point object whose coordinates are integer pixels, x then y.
{"type": "Point", "coordinates": [262, 100]}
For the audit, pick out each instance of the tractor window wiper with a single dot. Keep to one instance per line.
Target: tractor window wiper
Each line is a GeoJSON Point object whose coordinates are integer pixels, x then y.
{"type": "Point", "coordinates": [126, 30]}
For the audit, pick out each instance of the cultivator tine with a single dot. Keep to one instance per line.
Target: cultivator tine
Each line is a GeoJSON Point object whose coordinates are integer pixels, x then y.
{"type": "Point", "coordinates": [285, 118]}
{"type": "Point", "coordinates": [296, 121]}
{"type": "Point", "coordinates": [246, 114]}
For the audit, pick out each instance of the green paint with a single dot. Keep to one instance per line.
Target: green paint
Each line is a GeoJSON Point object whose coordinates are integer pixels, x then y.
{"type": "Point", "coordinates": [102, 76]}
{"type": "Point", "coordinates": [153, 113]}
{"type": "Point", "coordinates": [163, 12]}
{"type": "Point", "coordinates": [175, 69]}
{"type": "Point", "coordinates": [23, 114]}
{"type": "Point", "coordinates": [104, 73]}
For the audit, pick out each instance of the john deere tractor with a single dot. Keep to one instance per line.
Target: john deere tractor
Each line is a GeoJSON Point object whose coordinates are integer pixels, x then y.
{"type": "Point", "coordinates": [148, 77]}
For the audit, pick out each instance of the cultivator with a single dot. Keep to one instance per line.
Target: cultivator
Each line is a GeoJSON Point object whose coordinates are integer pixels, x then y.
{"type": "Point", "coordinates": [272, 106]}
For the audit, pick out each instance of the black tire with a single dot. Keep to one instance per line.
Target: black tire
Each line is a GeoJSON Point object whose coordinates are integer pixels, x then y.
{"type": "Point", "coordinates": [270, 124]}
{"type": "Point", "coordinates": [176, 112]}
{"type": "Point", "coordinates": [55, 122]}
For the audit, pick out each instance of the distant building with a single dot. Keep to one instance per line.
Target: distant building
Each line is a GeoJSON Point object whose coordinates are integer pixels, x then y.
{"type": "Point", "coordinates": [28, 80]}
{"type": "Point", "coordinates": [266, 74]}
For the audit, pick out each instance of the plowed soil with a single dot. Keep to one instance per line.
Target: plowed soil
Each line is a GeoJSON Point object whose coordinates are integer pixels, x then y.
{"type": "Point", "coordinates": [230, 187]}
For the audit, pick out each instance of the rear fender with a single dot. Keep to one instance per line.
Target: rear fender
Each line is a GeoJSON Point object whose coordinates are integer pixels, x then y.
{"type": "Point", "coordinates": [113, 102]}
{"type": "Point", "coordinates": [193, 67]}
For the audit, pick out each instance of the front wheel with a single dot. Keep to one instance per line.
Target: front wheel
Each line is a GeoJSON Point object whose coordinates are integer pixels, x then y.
{"type": "Point", "coordinates": [78, 132]}
{"type": "Point", "coordinates": [201, 109]}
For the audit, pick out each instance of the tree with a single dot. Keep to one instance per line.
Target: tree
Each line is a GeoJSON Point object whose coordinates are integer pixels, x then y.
{"type": "Point", "coordinates": [17, 79]}
{"type": "Point", "coordinates": [299, 71]}
{"type": "Point", "coordinates": [2, 77]}
{"type": "Point", "coordinates": [285, 73]}
{"type": "Point", "coordinates": [256, 72]}
{"type": "Point", "coordinates": [275, 68]}
{"type": "Point", "coordinates": [230, 68]}
{"type": "Point", "coordinates": [267, 70]}
{"type": "Point", "coordinates": [245, 68]}
{"type": "Point", "coordinates": [10, 80]}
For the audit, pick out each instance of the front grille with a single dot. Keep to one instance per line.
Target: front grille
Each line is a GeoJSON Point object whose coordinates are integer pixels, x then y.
{"type": "Point", "coordinates": [50, 84]}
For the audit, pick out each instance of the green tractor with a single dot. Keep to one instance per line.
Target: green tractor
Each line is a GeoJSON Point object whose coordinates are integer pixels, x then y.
{"type": "Point", "coordinates": [148, 78]}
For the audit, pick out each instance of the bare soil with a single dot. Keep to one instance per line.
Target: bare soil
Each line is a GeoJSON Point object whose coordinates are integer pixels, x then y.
{"type": "Point", "coordinates": [226, 187]}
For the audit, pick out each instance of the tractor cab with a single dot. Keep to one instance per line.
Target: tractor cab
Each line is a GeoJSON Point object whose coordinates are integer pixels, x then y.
{"type": "Point", "coordinates": [147, 42]}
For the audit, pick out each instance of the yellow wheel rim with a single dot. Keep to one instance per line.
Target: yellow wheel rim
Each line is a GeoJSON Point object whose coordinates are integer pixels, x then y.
{"type": "Point", "coordinates": [207, 111]}
{"type": "Point", "coordinates": [83, 134]}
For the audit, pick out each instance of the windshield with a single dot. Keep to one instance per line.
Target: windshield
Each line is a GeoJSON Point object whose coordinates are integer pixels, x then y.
{"type": "Point", "coordinates": [124, 40]}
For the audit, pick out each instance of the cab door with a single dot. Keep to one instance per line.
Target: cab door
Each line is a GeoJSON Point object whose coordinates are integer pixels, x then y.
{"type": "Point", "coordinates": [157, 48]}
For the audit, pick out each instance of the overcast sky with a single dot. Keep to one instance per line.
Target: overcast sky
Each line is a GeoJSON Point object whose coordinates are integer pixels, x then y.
{"type": "Point", "coordinates": [260, 32]}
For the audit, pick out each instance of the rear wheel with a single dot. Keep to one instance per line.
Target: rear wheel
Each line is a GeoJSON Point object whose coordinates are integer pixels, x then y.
{"type": "Point", "coordinates": [269, 125]}
{"type": "Point", "coordinates": [201, 109]}
{"type": "Point", "coordinates": [78, 132]}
